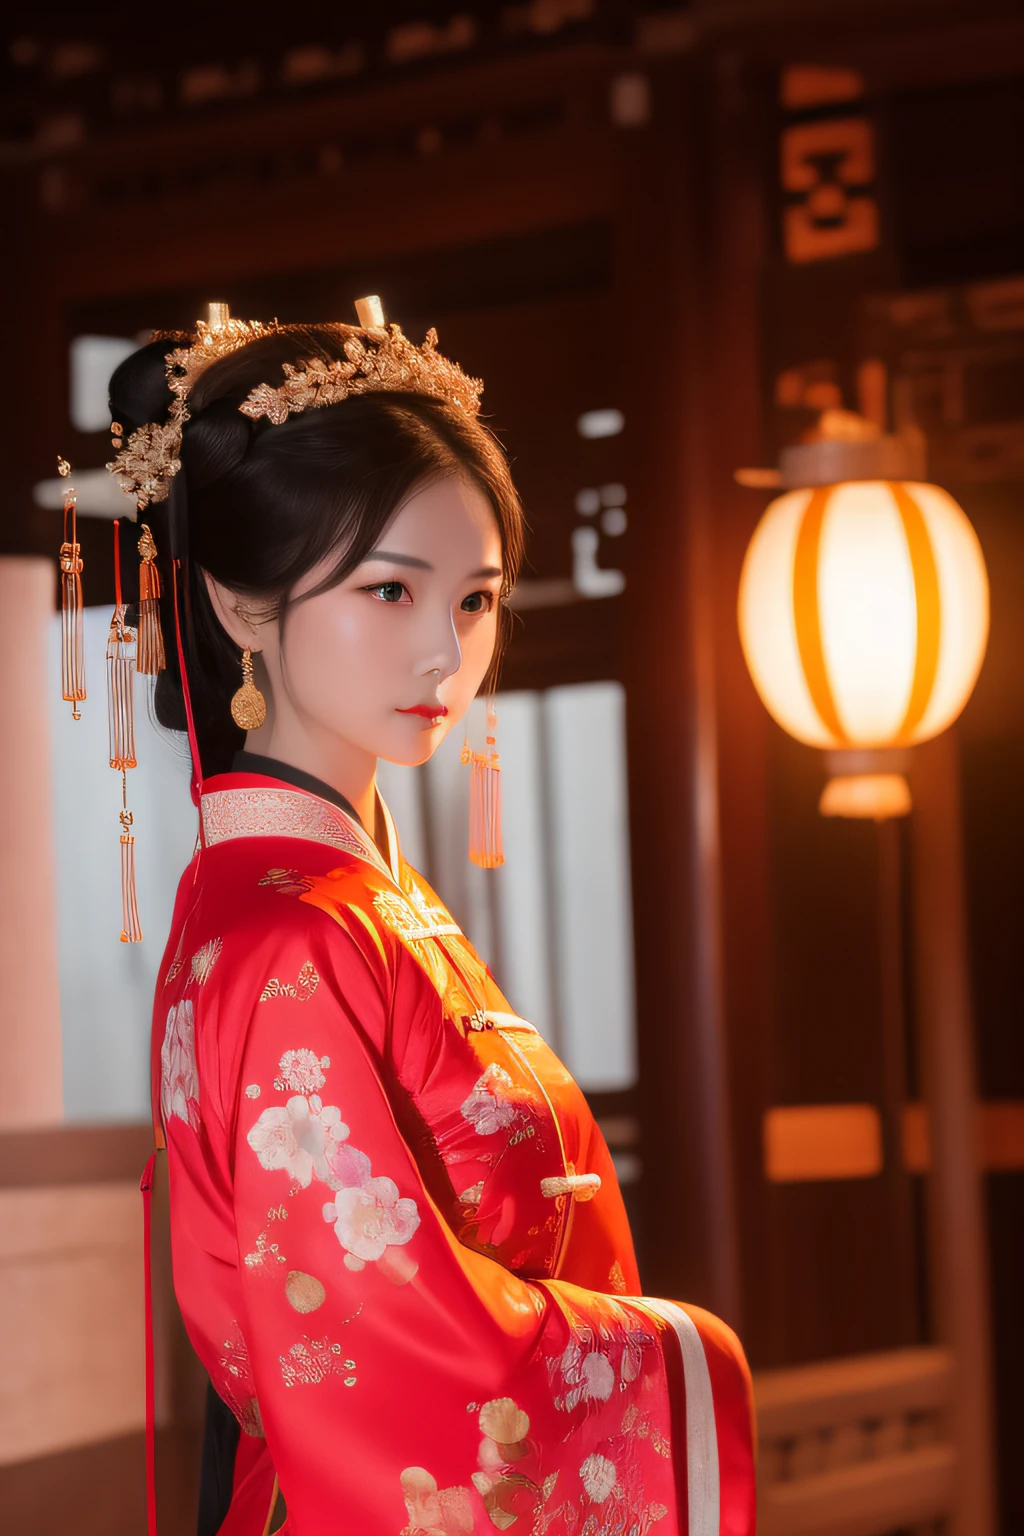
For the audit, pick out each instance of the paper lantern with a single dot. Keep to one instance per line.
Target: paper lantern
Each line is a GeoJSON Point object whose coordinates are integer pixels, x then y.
{"type": "Point", "coordinates": [863, 613]}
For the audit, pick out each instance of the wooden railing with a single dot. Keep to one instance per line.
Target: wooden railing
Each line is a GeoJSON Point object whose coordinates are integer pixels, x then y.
{"type": "Point", "coordinates": [72, 1408]}
{"type": "Point", "coordinates": [856, 1447]}
{"type": "Point", "coordinates": [71, 1299]}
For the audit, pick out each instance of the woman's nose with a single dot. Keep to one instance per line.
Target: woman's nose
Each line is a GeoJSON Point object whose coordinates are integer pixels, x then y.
{"type": "Point", "coordinates": [444, 654]}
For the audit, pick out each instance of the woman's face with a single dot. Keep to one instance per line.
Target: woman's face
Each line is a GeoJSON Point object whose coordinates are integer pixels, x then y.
{"type": "Point", "coordinates": [390, 660]}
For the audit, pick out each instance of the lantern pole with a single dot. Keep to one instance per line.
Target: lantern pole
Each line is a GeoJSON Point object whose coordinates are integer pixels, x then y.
{"type": "Point", "coordinates": [892, 935]}
{"type": "Point", "coordinates": [850, 448]}
{"type": "Point", "coordinates": [956, 1217]}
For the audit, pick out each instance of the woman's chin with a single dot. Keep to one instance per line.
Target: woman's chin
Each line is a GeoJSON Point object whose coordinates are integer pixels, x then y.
{"type": "Point", "coordinates": [413, 754]}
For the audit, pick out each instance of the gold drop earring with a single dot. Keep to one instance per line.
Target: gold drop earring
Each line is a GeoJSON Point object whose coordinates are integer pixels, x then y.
{"type": "Point", "coordinates": [248, 706]}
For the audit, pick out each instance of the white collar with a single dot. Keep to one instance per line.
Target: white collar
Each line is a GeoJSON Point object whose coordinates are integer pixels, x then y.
{"type": "Point", "coordinates": [282, 810]}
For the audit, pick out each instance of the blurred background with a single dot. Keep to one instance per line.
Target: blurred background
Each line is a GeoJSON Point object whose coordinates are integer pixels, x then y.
{"type": "Point", "coordinates": [669, 237]}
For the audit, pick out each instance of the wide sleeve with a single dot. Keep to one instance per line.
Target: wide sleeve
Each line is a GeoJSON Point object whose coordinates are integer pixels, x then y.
{"type": "Point", "coordinates": [405, 1382]}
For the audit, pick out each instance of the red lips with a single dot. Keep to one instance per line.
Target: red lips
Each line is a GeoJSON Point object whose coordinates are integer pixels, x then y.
{"type": "Point", "coordinates": [426, 711]}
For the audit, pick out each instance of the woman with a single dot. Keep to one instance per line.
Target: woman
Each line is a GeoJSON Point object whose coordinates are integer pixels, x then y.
{"type": "Point", "coordinates": [399, 1246]}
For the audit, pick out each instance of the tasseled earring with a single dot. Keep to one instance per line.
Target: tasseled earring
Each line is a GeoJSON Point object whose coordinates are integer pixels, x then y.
{"type": "Point", "coordinates": [122, 643]}
{"type": "Point", "coordinates": [248, 706]}
{"type": "Point", "coordinates": [151, 656]}
{"type": "Point", "coordinates": [485, 846]}
{"type": "Point", "coordinates": [72, 650]}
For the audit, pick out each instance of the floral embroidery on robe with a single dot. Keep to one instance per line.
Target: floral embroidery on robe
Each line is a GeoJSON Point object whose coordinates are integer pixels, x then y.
{"type": "Point", "coordinates": [402, 1168]}
{"type": "Point", "coordinates": [179, 1080]}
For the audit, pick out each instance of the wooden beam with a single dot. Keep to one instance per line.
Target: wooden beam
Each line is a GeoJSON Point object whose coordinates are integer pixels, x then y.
{"type": "Point", "coordinates": [807, 1143]}
{"type": "Point", "coordinates": [384, 112]}
{"type": "Point", "coordinates": [304, 222]}
{"type": "Point", "coordinates": [822, 1141]}
{"type": "Point", "coordinates": [801, 1399]}
{"type": "Point", "coordinates": [742, 111]}
{"type": "Point", "coordinates": [664, 346]}
{"type": "Point", "coordinates": [74, 1154]}
{"type": "Point", "coordinates": [895, 1491]}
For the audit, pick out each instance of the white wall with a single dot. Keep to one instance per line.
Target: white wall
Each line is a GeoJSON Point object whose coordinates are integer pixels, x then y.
{"type": "Point", "coordinates": [106, 987]}
{"type": "Point", "coordinates": [554, 922]}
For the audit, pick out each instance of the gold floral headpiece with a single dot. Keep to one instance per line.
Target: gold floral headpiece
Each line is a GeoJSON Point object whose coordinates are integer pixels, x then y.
{"type": "Point", "coordinates": [380, 358]}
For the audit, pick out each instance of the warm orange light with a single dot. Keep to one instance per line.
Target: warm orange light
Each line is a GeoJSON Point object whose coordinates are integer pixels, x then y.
{"type": "Point", "coordinates": [872, 796]}
{"type": "Point", "coordinates": [822, 1141]}
{"type": "Point", "coordinates": [863, 613]}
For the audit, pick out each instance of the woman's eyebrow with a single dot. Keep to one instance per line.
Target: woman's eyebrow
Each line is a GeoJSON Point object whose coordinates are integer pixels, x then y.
{"type": "Point", "coordinates": [423, 565]}
{"type": "Point", "coordinates": [382, 554]}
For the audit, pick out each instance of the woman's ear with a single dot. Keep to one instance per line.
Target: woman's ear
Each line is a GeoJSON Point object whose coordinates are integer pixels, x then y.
{"type": "Point", "coordinates": [237, 620]}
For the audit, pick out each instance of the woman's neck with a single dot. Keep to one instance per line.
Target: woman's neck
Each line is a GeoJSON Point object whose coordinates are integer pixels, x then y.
{"type": "Point", "coordinates": [355, 781]}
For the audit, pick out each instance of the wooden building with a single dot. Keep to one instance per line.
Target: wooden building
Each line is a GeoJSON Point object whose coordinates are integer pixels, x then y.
{"type": "Point", "coordinates": [708, 218]}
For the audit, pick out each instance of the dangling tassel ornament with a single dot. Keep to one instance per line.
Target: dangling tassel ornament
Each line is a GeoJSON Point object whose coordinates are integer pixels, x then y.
{"type": "Point", "coordinates": [121, 652]}
{"type": "Point", "coordinates": [122, 643]}
{"type": "Point", "coordinates": [151, 656]}
{"type": "Point", "coordinates": [131, 927]}
{"type": "Point", "coordinates": [485, 846]}
{"type": "Point", "coordinates": [72, 650]}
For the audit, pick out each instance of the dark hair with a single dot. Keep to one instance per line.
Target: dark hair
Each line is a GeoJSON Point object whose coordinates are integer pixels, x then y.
{"type": "Point", "coordinates": [264, 504]}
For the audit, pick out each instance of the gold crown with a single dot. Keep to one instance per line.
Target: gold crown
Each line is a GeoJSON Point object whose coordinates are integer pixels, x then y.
{"type": "Point", "coordinates": [391, 361]}
{"type": "Point", "coordinates": [379, 358]}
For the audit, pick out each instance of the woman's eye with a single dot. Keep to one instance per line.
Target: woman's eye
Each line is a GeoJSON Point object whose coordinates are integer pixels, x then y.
{"type": "Point", "coordinates": [478, 602]}
{"type": "Point", "coordinates": [387, 591]}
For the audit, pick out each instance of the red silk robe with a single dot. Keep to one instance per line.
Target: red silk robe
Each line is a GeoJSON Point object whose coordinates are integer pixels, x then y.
{"type": "Point", "coordinates": [399, 1245]}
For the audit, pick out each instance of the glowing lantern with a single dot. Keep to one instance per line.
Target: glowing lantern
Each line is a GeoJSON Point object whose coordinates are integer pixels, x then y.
{"type": "Point", "coordinates": [863, 613]}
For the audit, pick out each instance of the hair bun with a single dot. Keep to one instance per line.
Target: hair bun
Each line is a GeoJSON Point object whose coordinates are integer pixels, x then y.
{"type": "Point", "coordinates": [138, 386]}
{"type": "Point", "coordinates": [215, 439]}
{"type": "Point", "coordinates": [214, 443]}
